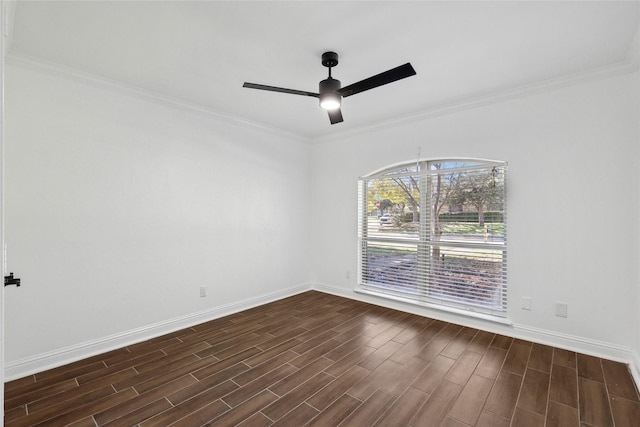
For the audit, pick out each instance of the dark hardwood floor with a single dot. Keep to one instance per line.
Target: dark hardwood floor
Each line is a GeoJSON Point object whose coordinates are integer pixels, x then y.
{"type": "Point", "coordinates": [320, 360]}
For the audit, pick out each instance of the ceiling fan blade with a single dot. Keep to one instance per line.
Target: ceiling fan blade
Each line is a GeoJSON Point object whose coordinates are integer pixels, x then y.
{"type": "Point", "coordinates": [280, 89]}
{"type": "Point", "coordinates": [392, 75]}
{"type": "Point", "coordinates": [335, 116]}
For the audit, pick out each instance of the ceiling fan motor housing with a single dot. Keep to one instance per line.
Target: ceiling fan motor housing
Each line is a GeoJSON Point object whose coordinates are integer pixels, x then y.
{"type": "Point", "coordinates": [329, 85]}
{"type": "Point", "coordinates": [330, 98]}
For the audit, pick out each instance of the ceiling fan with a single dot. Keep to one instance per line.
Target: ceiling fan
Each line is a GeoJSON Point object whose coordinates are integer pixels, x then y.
{"type": "Point", "coordinates": [330, 92]}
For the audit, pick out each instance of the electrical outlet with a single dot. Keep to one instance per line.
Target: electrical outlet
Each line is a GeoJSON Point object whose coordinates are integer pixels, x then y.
{"type": "Point", "coordinates": [203, 291]}
{"type": "Point", "coordinates": [525, 303]}
{"type": "Point", "coordinates": [347, 274]}
{"type": "Point", "coordinates": [561, 309]}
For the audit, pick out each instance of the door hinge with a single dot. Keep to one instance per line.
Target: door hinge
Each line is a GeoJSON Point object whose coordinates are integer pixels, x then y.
{"type": "Point", "coordinates": [10, 280]}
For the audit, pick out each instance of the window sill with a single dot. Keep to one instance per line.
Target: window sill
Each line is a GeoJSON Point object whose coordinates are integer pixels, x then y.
{"type": "Point", "coordinates": [462, 312]}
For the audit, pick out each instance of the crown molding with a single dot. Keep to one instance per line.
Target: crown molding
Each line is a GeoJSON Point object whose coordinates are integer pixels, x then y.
{"type": "Point", "coordinates": [103, 83]}
{"type": "Point", "coordinates": [490, 98]}
{"type": "Point", "coordinates": [630, 64]}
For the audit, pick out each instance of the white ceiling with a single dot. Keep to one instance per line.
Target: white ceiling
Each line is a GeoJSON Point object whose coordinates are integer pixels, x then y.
{"type": "Point", "coordinates": [200, 53]}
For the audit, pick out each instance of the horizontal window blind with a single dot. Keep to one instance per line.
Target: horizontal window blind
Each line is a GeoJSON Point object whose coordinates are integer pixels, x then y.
{"type": "Point", "coordinates": [435, 232]}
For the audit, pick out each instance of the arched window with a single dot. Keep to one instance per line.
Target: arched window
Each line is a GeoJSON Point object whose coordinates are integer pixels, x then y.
{"type": "Point", "coordinates": [434, 232]}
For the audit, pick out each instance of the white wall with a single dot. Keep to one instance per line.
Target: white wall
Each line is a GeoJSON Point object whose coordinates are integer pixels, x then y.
{"type": "Point", "coordinates": [2, 52]}
{"type": "Point", "coordinates": [118, 209]}
{"type": "Point", "coordinates": [572, 155]}
{"type": "Point", "coordinates": [637, 233]}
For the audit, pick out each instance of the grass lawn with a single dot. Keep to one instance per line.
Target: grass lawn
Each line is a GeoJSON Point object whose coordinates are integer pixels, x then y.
{"type": "Point", "coordinates": [472, 228]}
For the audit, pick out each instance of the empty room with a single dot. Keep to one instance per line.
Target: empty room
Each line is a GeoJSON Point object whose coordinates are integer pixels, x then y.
{"type": "Point", "coordinates": [320, 213]}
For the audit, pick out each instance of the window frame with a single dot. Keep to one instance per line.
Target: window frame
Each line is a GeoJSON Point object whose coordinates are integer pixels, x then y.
{"type": "Point", "coordinates": [424, 241]}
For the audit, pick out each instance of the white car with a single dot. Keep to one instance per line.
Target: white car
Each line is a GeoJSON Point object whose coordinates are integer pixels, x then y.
{"type": "Point", "coordinates": [385, 219]}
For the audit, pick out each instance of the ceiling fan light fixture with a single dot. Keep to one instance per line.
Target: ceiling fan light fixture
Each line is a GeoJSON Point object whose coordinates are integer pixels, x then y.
{"type": "Point", "coordinates": [330, 99]}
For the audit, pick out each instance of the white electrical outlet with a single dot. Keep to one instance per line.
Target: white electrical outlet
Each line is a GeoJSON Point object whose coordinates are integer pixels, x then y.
{"type": "Point", "coordinates": [561, 309]}
{"type": "Point", "coordinates": [203, 291]}
{"type": "Point", "coordinates": [525, 303]}
{"type": "Point", "coordinates": [348, 274]}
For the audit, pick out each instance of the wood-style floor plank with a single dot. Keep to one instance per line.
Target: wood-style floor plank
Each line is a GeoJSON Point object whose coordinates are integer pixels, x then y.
{"type": "Point", "coordinates": [299, 416]}
{"type": "Point", "coordinates": [297, 396]}
{"type": "Point", "coordinates": [534, 392]}
{"type": "Point", "coordinates": [491, 362]}
{"type": "Point", "coordinates": [517, 357]}
{"type": "Point", "coordinates": [337, 387]}
{"type": "Point", "coordinates": [403, 409]}
{"type": "Point", "coordinates": [471, 400]}
{"type": "Point", "coordinates": [594, 405]}
{"type": "Point", "coordinates": [564, 388]}
{"type": "Point", "coordinates": [559, 415]}
{"type": "Point", "coordinates": [431, 377]}
{"type": "Point", "coordinates": [626, 413]}
{"type": "Point", "coordinates": [490, 419]}
{"type": "Point", "coordinates": [590, 367]}
{"type": "Point", "coordinates": [370, 410]}
{"type": "Point", "coordinates": [337, 412]}
{"type": "Point", "coordinates": [316, 359]}
{"type": "Point", "coordinates": [524, 418]}
{"type": "Point", "coordinates": [540, 358]}
{"type": "Point", "coordinates": [504, 394]}
{"type": "Point", "coordinates": [436, 408]}
{"type": "Point", "coordinates": [619, 382]}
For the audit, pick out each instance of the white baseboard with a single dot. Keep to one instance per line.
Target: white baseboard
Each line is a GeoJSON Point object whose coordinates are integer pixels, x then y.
{"type": "Point", "coordinates": [59, 357]}
{"type": "Point", "coordinates": [52, 359]}
{"type": "Point", "coordinates": [542, 336]}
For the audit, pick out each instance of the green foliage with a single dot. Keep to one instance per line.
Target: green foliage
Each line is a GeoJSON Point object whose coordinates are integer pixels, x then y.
{"type": "Point", "coordinates": [385, 251]}
{"type": "Point", "coordinates": [408, 217]}
{"type": "Point", "coordinates": [400, 191]}
{"type": "Point", "coordinates": [386, 205]}
{"type": "Point", "coordinates": [480, 189]}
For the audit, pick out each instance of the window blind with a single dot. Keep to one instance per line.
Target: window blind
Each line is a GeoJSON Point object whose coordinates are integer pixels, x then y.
{"type": "Point", "coordinates": [435, 232]}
